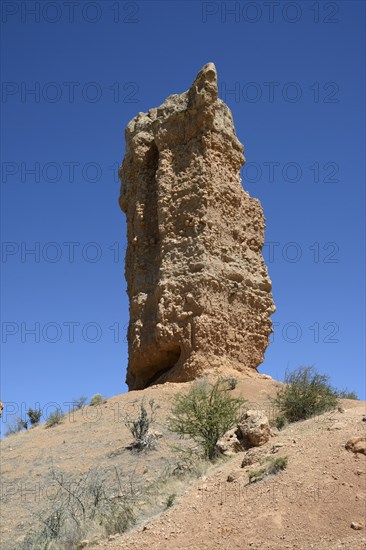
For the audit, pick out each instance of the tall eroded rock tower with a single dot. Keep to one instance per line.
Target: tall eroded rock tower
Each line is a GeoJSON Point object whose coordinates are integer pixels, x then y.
{"type": "Point", "coordinates": [199, 291]}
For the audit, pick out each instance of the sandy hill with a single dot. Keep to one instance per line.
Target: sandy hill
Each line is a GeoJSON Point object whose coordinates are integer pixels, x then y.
{"type": "Point", "coordinates": [310, 505]}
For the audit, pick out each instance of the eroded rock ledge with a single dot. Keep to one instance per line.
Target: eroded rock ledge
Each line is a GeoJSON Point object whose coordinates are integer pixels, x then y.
{"type": "Point", "coordinates": [198, 287]}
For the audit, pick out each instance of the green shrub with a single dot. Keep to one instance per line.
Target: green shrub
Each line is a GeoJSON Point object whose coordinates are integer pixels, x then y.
{"type": "Point", "coordinates": [276, 464]}
{"type": "Point", "coordinates": [54, 418]}
{"type": "Point", "coordinates": [256, 475]}
{"type": "Point", "coordinates": [306, 393]}
{"type": "Point", "coordinates": [205, 414]}
{"type": "Point", "coordinates": [79, 402]}
{"type": "Point", "coordinates": [170, 500]}
{"type": "Point", "coordinates": [140, 427]}
{"type": "Point", "coordinates": [273, 466]}
{"type": "Point", "coordinates": [34, 416]}
{"type": "Point", "coordinates": [231, 382]}
{"type": "Point", "coordinates": [97, 399]}
{"type": "Point", "coordinates": [281, 422]}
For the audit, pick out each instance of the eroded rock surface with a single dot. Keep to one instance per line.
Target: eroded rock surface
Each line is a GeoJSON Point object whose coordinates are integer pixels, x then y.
{"type": "Point", "coordinates": [229, 444]}
{"type": "Point", "coordinates": [254, 430]}
{"type": "Point", "coordinates": [357, 445]}
{"type": "Point", "coordinates": [198, 287]}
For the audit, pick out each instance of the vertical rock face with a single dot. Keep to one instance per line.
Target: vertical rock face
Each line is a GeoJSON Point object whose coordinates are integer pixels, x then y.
{"type": "Point", "coordinates": [199, 291]}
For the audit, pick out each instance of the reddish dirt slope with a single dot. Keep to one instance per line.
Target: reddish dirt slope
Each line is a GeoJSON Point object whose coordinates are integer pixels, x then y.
{"type": "Point", "coordinates": [310, 505]}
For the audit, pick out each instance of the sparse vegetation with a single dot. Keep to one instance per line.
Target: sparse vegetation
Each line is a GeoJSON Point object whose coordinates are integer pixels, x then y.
{"type": "Point", "coordinates": [81, 506]}
{"type": "Point", "coordinates": [54, 418]}
{"type": "Point", "coordinates": [345, 394]}
{"type": "Point", "coordinates": [170, 500]}
{"type": "Point", "coordinates": [306, 393]}
{"type": "Point", "coordinates": [100, 503]}
{"type": "Point", "coordinates": [231, 382]}
{"type": "Point", "coordinates": [34, 416]}
{"type": "Point", "coordinates": [140, 427]}
{"type": "Point", "coordinates": [118, 516]}
{"type": "Point", "coordinates": [205, 413]}
{"type": "Point", "coordinates": [97, 399]}
{"type": "Point", "coordinates": [92, 506]}
{"type": "Point", "coordinates": [79, 402]}
{"type": "Point", "coordinates": [272, 467]}
{"type": "Point", "coordinates": [16, 426]}
{"type": "Point", "coordinates": [190, 464]}
{"type": "Point", "coordinates": [170, 481]}
{"type": "Point", "coordinates": [281, 422]}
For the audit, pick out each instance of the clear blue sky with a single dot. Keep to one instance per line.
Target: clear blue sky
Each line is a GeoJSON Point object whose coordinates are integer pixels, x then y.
{"type": "Point", "coordinates": [293, 75]}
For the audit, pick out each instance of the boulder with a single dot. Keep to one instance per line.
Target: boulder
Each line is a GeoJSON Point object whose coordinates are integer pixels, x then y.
{"type": "Point", "coordinates": [357, 445]}
{"type": "Point", "coordinates": [254, 430]}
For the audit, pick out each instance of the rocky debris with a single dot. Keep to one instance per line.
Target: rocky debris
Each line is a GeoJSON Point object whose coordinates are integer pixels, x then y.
{"type": "Point", "coordinates": [198, 287]}
{"type": "Point", "coordinates": [357, 445]}
{"type": "Point", "coordinates": [276, 447]}
{"type": "Point", "coordinates": [229, 444]}
{"type": "Point", "coordinates": [254, 430]}
{"type": "Point", "coordinates": [356, 525]}
{"type": "Point", "coordinates": [232, 477]}
{"type": "Point", "coordinates": [251, 457]}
